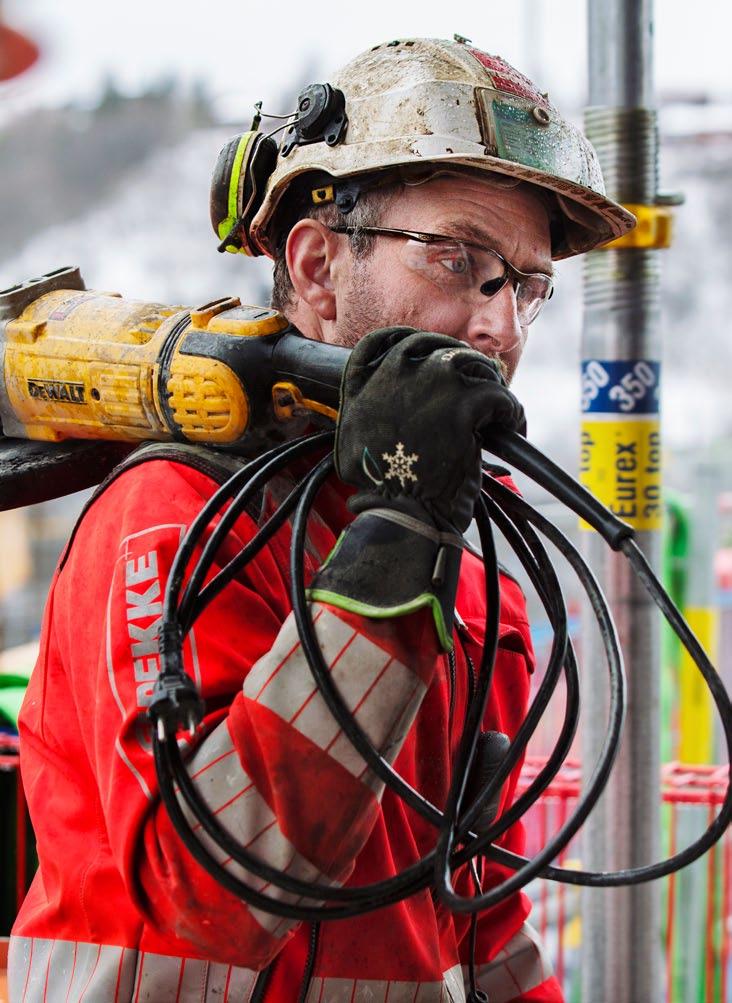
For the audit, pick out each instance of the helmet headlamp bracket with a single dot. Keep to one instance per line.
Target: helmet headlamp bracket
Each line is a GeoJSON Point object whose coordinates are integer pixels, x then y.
{"type": "Point", "coordinates": [320, 117]}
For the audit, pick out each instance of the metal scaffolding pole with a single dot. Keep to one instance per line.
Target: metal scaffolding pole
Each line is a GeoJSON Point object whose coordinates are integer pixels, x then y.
{"type": "Point", "coordinates": [621, 957]}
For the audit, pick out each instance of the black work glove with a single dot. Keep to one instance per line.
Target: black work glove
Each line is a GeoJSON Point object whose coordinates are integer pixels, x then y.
{"type": "Point", "coordinates": [413, 405]}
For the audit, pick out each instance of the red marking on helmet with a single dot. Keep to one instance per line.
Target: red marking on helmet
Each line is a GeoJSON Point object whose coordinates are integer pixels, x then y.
{"type": "Point", "coordinates": [506, 78]}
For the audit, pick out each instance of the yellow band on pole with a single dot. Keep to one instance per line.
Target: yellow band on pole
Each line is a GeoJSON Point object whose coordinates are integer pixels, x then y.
{"type": "Point", "coordinates": [653, 228]}
{"type": "Point", "coordinates": [620, 464]}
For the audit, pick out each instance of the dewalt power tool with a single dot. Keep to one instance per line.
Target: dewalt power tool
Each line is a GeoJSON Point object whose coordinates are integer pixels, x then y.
{"type": "Point", "coordinates": [83, 364]}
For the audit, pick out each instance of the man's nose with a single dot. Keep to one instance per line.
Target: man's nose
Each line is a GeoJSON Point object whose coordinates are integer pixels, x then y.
{"type": "Point", "coordinates": [494, 326]}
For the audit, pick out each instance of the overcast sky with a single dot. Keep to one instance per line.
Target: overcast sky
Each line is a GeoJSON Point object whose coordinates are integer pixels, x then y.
{"type": "Point", "coordinates": [249, 48]}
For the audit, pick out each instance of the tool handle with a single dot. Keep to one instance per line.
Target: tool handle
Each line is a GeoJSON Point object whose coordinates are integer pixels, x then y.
{"type": "Point", "coordinates": [315, 367]}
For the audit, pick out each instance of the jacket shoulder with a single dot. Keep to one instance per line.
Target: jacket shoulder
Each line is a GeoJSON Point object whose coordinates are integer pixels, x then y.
{"type": "Point", "coordinates": [157, 478]}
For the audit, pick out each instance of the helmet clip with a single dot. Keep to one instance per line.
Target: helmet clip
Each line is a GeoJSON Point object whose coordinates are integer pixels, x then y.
{"type": "Point", "coordinates": [321, 116]}
{"type": "Point", "coordinates": [346, 195]}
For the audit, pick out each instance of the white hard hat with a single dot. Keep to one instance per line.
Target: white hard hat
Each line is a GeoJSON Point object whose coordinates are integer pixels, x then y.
{"type": "Point", "coordinates": [446, 104]}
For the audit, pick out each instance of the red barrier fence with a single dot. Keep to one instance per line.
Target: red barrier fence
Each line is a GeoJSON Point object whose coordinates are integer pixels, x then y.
{"type": "Point", "coordinates": [697, 923]}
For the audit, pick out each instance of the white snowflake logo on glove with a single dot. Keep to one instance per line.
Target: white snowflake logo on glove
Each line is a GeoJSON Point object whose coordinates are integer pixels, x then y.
{"type": "Point", "coordinates": [400, 465]}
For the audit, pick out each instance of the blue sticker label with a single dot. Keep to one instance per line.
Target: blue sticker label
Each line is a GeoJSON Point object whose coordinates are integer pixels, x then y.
{"type": "Point", "coordinates": [628, 387]}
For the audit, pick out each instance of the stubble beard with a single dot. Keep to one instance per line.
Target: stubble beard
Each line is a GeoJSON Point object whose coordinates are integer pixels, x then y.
{"type": "Point", "coordinates": [364, 311]}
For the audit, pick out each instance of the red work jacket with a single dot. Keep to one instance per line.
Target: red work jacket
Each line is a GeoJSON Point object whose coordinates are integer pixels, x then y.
{"type": "Point", "coordinates": [119, 909]}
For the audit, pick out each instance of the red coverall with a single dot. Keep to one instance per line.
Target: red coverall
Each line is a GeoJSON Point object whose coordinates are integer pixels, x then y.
{"type": "Point", "coordinates": [119, 910]}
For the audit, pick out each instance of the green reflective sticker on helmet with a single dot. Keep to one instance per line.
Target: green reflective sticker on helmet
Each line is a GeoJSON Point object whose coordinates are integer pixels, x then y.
{"type": "Point", "coordinates": [554, 147]}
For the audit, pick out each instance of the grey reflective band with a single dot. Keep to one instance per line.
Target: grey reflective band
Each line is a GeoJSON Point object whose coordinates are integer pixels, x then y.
{"type": "Point", "coordinates": [521, 965]}
{"type": "Point", "coordinates": [232, 796]}
{"type": "Point", "coordinates": [62, 971]}
{"type": "Point", "coordinates": [449, 989]}
{"type": "Point", "coordinates": [382, 694]}
{"type": "Point", "coordinates": [416, 526]}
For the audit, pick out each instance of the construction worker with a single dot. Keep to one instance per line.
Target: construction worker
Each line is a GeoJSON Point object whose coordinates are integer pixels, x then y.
{"type": "Point", "coordinates": [413, 213]}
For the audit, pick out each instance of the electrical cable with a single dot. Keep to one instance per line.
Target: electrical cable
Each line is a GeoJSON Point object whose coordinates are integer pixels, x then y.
{"type": "Point", "coordinates": [390, 890]}
{"type": "Point", "coordinates": [535, 561]}
{"type": "Point", "coordinates": [716, 828]}
{"type": "Point", "coordinates": [526, 870]}
{"type": "Point", "coordinates": [176, 703]}
{"type": "Point", "coordinates": [194, 598]}
{"type": "Point", "coordinates": [271, 461]}
{"type": "Point", "coordinates": [394, 888]}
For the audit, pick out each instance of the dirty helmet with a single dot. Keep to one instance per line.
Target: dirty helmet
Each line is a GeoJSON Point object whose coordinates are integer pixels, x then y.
{"type": "Point", "coordinates": [434, 105]}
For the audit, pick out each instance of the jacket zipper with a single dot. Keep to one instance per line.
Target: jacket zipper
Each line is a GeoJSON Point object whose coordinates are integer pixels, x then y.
{"type": "Point", "coordinates": [451, 681]}
{"type": "Point", "coordinates": [309, 964]}
{"type": "Point", "coordinates": [472, 681]}
{"type": "Point", "coordinates": [260, 986]}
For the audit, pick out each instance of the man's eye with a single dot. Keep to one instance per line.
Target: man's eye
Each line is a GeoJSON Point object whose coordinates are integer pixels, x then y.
{"type": "Point", "coordinates": [455, 263]}
{"type": "Point", "coordinates": [458, 266]}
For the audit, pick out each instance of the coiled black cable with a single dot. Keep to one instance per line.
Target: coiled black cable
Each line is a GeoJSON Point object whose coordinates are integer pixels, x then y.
{"type": "Point", "coordinates": [715, 830]}
{"type": "Point", "coordinates": [373, 896]}
{"type": "Point", "coordinates": [176, 704]}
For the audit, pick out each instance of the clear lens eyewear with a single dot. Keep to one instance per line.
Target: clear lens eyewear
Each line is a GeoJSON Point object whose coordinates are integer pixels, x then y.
{"type": "Point", "coordinates": [466, 270]}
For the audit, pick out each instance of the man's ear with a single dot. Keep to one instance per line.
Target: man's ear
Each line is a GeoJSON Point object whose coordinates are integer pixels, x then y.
{"type": "Point", "coordinates": [313, 255]}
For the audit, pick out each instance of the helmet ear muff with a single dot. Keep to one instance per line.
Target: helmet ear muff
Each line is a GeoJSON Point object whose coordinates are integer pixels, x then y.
{"type": "Point", "coordinates": [238, 185]}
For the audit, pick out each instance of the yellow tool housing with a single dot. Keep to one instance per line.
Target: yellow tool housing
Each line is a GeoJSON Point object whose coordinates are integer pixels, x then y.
{"type": "Point", "coordinates": [84, 364]}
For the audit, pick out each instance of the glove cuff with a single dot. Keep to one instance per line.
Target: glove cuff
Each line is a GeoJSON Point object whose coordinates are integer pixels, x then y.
{"type": "Point", "coordinates": [388, 564]}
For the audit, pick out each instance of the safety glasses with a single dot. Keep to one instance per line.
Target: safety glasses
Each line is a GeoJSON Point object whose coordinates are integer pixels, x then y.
{"type": "Point", "coordinates": [468, 271]}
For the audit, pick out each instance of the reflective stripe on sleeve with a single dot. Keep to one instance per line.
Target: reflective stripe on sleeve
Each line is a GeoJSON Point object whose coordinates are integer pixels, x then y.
{"type": "Point", "coordinates": [63, 971]}
{"type": "Point", "coordinates": [519, 966]}
{"type": "Point", "coordinates": [228, 791]}
{"type": "Point", "coordinates": [382, 693]}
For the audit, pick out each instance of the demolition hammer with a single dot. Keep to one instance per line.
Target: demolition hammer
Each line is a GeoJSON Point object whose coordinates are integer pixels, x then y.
{"type": "Point", "coordinates": [79, 364]}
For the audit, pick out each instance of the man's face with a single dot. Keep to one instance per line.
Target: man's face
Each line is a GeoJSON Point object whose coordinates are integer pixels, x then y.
{"type": "Point", "coordinates": [381, 289]}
